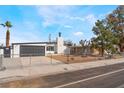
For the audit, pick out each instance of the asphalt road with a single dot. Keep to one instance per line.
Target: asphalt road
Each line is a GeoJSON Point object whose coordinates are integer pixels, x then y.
{"type": "Point", "coordinates": [101, 77]}
{"type": "Point", "coordinates": [109, 80]}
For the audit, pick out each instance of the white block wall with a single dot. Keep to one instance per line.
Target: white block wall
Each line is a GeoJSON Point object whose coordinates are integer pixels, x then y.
{"type": "Point", "coordinates": [16, 51]}
{"type": "Point", "coordinates": [60, 45]}
{"type": "Point", "coordinates": [1, 51]}
{"type": "Point", "coordinates": [66, 51]}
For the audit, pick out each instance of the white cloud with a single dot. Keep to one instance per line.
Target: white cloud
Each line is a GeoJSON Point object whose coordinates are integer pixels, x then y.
{"type": "Point", "coordinates": [26, 36]}
{"type": "Point", "coordinates": [29, 24]}
{"type": "Point", "coordinates": [102, 16]}
{"type": "Point", "coordinates": [76, 18]}
{"type": "Point", "coordinates": [2, 35]}
{"type": "Point", "coordinates": [67, 26]}
{"type": "Point", "coordinates": [28, 33]}
{"type": "Point", "coordinates": [62, 15]}
{"type": "Point", "coordinates": [78, 33]}
{"type": "Point", "coordinates": [53, 14]}
{"type": "Point", "coordinates": [91, 18]}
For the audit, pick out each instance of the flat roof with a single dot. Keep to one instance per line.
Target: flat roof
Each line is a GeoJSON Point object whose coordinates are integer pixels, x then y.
{"type": "Point", "coordinates": [75, 46]}
{"type": "Point", "coordinates": [35, 43]}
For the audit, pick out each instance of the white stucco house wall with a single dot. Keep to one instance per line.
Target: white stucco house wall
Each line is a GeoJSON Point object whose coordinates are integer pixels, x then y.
{"type": "Point", "coordinates": [38, 48]}
{"type": "Point", "coordinates": [1, 51]}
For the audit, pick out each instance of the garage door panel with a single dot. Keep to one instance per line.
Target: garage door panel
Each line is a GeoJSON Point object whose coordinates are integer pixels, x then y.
{"type": "Point", "coordinates": [32, 51]}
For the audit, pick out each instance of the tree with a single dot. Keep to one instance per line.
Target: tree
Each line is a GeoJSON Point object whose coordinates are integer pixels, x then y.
{"type": "Point", "coordinates": [82, 42]}
{"type": "Point", "coordinates": [8, 25]}
{"type": "Point", "coordinates": [104, 39]}
{"type": "Point", "coordinates": [88, 47]}
{"type": "Point", "coordinates": [116, 22]}
{"type": "Point", "coordinates": [68, 43]}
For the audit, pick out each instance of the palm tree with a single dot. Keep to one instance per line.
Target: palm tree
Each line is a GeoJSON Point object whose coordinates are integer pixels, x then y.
{"type": "Point", "coordinates": [8, 25]}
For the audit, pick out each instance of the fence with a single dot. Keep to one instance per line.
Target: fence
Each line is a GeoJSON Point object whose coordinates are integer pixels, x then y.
{"type": "Point", "coordinates": [1, 63]}
{"type": "Point", "coordinates": [15, 62]}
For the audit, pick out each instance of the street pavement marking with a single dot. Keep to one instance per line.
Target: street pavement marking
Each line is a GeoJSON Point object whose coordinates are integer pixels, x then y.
{"type": "Point", "coordinates": [109, 73]}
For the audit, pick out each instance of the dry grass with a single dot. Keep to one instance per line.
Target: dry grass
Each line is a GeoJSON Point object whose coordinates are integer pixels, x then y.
{"type": "Point", "coordinates": [74, 59]}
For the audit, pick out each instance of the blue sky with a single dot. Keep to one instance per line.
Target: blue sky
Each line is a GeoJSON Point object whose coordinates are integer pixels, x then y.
{"type": "Point", "coordinates": [35, 23]}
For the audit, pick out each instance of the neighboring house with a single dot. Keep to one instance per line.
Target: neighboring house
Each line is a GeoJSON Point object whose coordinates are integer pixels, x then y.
{"type": "Point", "coordinates": [79, 50]}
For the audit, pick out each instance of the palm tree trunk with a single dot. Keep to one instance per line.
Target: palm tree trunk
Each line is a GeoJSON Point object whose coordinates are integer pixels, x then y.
{"type": "Point", "coordinates": [7, 38]}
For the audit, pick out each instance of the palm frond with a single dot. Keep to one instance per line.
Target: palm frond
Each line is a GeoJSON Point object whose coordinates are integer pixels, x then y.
{"type": "Point", "coordinates": [2, 25]}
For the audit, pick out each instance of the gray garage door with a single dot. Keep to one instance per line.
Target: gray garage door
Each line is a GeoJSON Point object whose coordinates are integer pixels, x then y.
{"type": "Point", "coordinates": [32, 51]}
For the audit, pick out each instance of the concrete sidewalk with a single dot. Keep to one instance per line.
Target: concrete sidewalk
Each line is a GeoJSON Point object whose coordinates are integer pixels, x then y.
{"type": "Point", "coordinates": [36, 70]}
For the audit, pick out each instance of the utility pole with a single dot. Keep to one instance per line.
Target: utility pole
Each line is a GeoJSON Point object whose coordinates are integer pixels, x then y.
{"type": "Point", "coordinates": [49, 38]}
{"type": "Point", "coordinates": [50, 47]}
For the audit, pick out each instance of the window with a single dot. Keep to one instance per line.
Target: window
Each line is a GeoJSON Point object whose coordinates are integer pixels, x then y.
{"type": "Point", "coordinates": [50, 48]}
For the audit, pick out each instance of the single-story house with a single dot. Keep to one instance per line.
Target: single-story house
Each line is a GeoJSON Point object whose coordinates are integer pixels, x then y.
{"type": "Point", "coordinates": [34, 48]}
